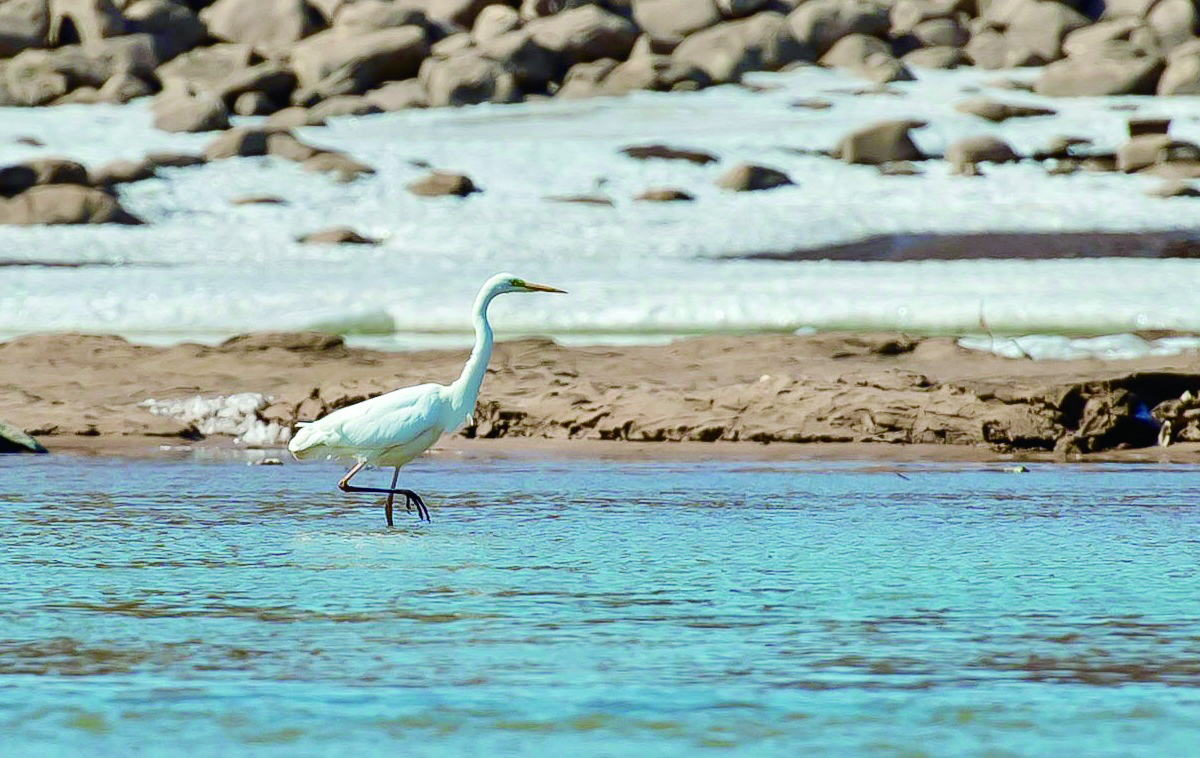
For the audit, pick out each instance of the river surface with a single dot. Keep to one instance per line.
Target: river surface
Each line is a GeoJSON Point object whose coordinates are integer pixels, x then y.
{"type": "Point", "coordinates": [596, 608]}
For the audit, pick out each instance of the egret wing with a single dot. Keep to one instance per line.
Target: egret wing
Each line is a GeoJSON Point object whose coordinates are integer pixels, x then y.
{"type": "Point", "coordinates": [397, 418]}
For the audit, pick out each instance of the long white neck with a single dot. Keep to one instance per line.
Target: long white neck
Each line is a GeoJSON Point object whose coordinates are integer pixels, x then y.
{"type": "Point", "coordinates": [466, 387]}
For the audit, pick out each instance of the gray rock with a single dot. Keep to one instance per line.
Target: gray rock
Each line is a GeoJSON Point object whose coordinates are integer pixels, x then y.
{"type": "Point", "coordinates": [16, 179]}
{"type": "Point", "coordinates": [206, 69]}
{"type": "Point", "coordinates": [818, 24]}
{"type": "Point", "coordinates": [258, 200]}
{"type": "Point", "coordinates": [169, 159]}
{"type": "Point", "coordinates": [55, 170]}
{"type": "Point", "coordinates": [343, 105]}
{"type": "Point", "coordinates": [747, 177]}
{"type": "Point", "coordinates": [968, 152]}
{"type": "Point", "coordinates": [265, 24]}
{"type": "Point", "coordinates": [763, 42]}
{"type": "Point", "coordinates": [174, 27]}
{"type": "Point", "coordinates": [243, 141]}
{"type": "Point", "coordinates": [741, 8]}
{"type": "Point", "coordinates": [466, 79]}
{"type": "Point", "coordinates": [64, 204]}
{"type": "Point", "coordinates": [1181, 76]}
{"type": "Point", "coordinates": [23, 25]}
{"type": "Point", "coordinates": [531, 65]}
{"type": "Point", "coordinates": [93, 19]}
{"type": "Point", "coordinates": [183, 113]}
{"type": "Point", "coordinates": [1041, 26]}
{"type": "Point", "coordinates": [271, 78]}
{"type": "Point", "coordinates": [123, 87]}
{"type": "Point", "coordinates": [441, 183]}
{"type": "Point", "coordinates": [341, 166]}
{"type": "Point", "coordinates": [995, 111]}
{"type": "Point", "coordinates": [396, 96]}
{"type": "Point", "coordinates": [14, 440]}
{"type": "Point", "coordinates": [583, 34]}
{"type": "Point", "coordinates": [284, 144]}
{"type": "Point", "coordinates": [585, 79]}
{"type": "Point", "coordinates": [36, 77]}
{"type": "Point", "coordinates": [493, 21]}
{"type": "Point", "coordinates": [868, 57]}
{"type": "Point", "coordinates": [292, 116]}
{"type": "Point", "coordinates": [940, 32]}
{"type": "Point", "coordinates": [459, 12]}
{"type": "Point", "coordinates": [993, 50]}
{"type": "Point", "coordinates": [672, 20]}
{"type": "Point", "coordinates": [117, 172]}
{"type": "Point", "coordinates": [935, 57]}
{"type": "Point", "coordinates": [335, 63]}
{"type": "Point", "coordinates": [1146, 150]}
{"type": "Point", "coordinates": [664, 195]}
{"type": "Point", "coordinates": [881, 142]}
{"type": "Point", "coordinates": [1174, 188]}
{"type": "Point", "coordinates": [1072, 77]}
{"type": "Point", "coordinates": [364, 16]}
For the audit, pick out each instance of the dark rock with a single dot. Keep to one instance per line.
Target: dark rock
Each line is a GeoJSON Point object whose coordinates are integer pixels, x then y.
{"type": "Point", "coordinates": [58, 171]}
{"type": "Point", "coordinates": [254, 104]}
{"type": "Point", "coordinates": [581, 199]}
{"type": "Point", "coordinates": [467, 78]}
{"type": "Point", "coordinates": [16, 179]}
{"type": "Point", "coordinates": [92, 20]}
{"type": "Point", "coordinates": [965, 154]}
{"type": "Point", "coordinates": [1174, 188]}
{"type": "Point", "coordinates": [270, 78]}
{"type": "Point", "coordinates": [583, 34]}
{"type": "Point", "coordinates": [645, 152]}
{"type": "Point", "coordinates": [818, 24]}
{"type": "Point", "coordinates": [13, 440]}
{"type": "Point", "coordinates": [300, 342]}
{"type": "Point", "coordinates": [441, 183]}
{"type": "Point", "coordinates": [868, 57]}
{"type": "Point", "coordinates": [258, 200]}
{"type": "Point", "coordinates": [174, 27]}
{"type": "Point", "coordinates": [168, 159]}
{"type": "Point", "coordinates": [747, 177]}
{"type": "Point", "coordinates": [1111, 419]}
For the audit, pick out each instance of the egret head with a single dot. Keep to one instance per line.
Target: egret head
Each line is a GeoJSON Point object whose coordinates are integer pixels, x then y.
{"type": "Point", "coordinates": [508, 283]}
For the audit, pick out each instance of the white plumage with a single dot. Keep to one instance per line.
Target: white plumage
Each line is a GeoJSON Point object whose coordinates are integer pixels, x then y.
{"type": "Point", "coordinates": [394, 428]}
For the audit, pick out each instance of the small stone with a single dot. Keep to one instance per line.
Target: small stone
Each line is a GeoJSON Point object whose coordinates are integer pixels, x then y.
{"type": "Point", "coordinates": [748, 177]}
{"type": "Point", "coordinates": [258, 200]}
{"type": "Point", "coordinates": [338, 235]}
{"type": "Point", "coordinates": [441, 183]}
{"type": "Point", "coordinates": [664, 195]}
{"type": "Point", "coordinates": [581, 199]}
{"type": "Point", "coordinates": [1174, 189]}
{"type": "Point", "coordinates": [645, 152]}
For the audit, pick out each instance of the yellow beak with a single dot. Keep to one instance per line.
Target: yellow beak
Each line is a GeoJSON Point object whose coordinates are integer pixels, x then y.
{"type": "Point", "coordinates": [542, 288]}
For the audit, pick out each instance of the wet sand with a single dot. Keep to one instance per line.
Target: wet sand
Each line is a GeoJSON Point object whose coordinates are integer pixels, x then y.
{"type": "Point", "coordinates": [844, 396]}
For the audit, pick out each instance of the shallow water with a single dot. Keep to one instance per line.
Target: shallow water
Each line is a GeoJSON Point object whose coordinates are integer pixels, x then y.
{"type": "Point", "coordinates": [599, 608]}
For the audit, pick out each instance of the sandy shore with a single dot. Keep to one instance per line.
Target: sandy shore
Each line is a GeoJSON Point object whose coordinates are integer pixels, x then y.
{"type": "Point", "coordinates": [883, 397]}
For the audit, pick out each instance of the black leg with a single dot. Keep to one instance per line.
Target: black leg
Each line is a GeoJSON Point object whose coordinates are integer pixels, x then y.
{"type": "Point", "coordinates": [411, 497]}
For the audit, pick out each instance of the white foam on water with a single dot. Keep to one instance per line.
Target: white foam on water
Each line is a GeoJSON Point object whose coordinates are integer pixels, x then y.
{"type": "Point", "coordinates": [204, 269]}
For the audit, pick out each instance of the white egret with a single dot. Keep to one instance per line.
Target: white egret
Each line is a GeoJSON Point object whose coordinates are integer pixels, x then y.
{"type": "Point", "coordinates": [394, 428]}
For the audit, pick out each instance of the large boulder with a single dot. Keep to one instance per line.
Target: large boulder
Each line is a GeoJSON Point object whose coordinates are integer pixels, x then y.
{"type": "Point", "coordinates": [395, 96]}
{"type": "Point", "coordinates": [821, 23]}
{"type": "Point", "coordinates": [586, 79]}
{"type": "Point", "coordinates": [467, 78]}
{"type": "Point", "coordinates": [965, 154]}
{"type": "Point", "coordinates": [653, 72]}
{"type": "Point", "coordinates": [1110, 38]}
{"type": "Point", "coordinates": [1181, 76]}
{"type": "Point", "coordinates": [990, 49]}
{"type": "Point", "coordinates": [64, 204]}
{"type": "Point", "coordinates": [763, 42]}
{"type": "Point", "coordinates": [266, 24]}
{"type": "Point", "coordinates": [23, 24]}
{"type": "Point", "coordinates": [494, 21]}
{"type": "Point", "coordinates": [372, 15]}
{"type": "Point", "coordinates": [174, 26]}
{"type": "Point", "coordinates": [670, 21]}
{"type": "Point", "coordinates": [1076, 77]}
{"type": "Point", "coordinates": [458, 12]}
{"type": "Point", "coordinates": [1041, 26]}
{"type": "Point", "coordinates": [881, 142]}
{"type": "Point", "coordinates": [868, 57]}
{"type": "Point", "coordinates": [177, 111]}
{"type": "Point", "coordinates": [532, 65]}
{"type": "Point", "coordinates": [584, 34]}
{"type": "Point", "coordinates": [91, 19]}
{"type": "Point", "coordinates": [1174, 22]}
{"type": "Point", "coordinates": [36, 77]}
{"type": "Point", "coordinates": [206, 69]}
{"type": "Point", "coordinates": [337, 63]}
{"type": "Point", "coordinates": [271, 78]}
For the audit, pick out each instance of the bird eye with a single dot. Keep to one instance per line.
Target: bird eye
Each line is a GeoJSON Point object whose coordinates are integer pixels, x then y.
{"type": "Point", "coordinates": [518, 283]}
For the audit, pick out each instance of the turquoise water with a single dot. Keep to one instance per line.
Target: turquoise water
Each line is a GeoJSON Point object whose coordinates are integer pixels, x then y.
{"type": "Point", "coordinates": [189, 608]}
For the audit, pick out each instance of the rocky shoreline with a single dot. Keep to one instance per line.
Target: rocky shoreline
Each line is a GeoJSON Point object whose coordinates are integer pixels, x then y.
{"type": "Point", "coordinates": [299, 63]}
{"type": "Point", "coordinates": [873, 395]}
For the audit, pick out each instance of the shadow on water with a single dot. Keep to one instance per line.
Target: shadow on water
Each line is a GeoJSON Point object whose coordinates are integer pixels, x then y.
{"type": "Point", "coordinates": [600, 609]}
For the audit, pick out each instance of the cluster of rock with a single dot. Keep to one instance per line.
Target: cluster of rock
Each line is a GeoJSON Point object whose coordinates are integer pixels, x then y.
{"type": "Point", "coordinates": [311, 59]}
